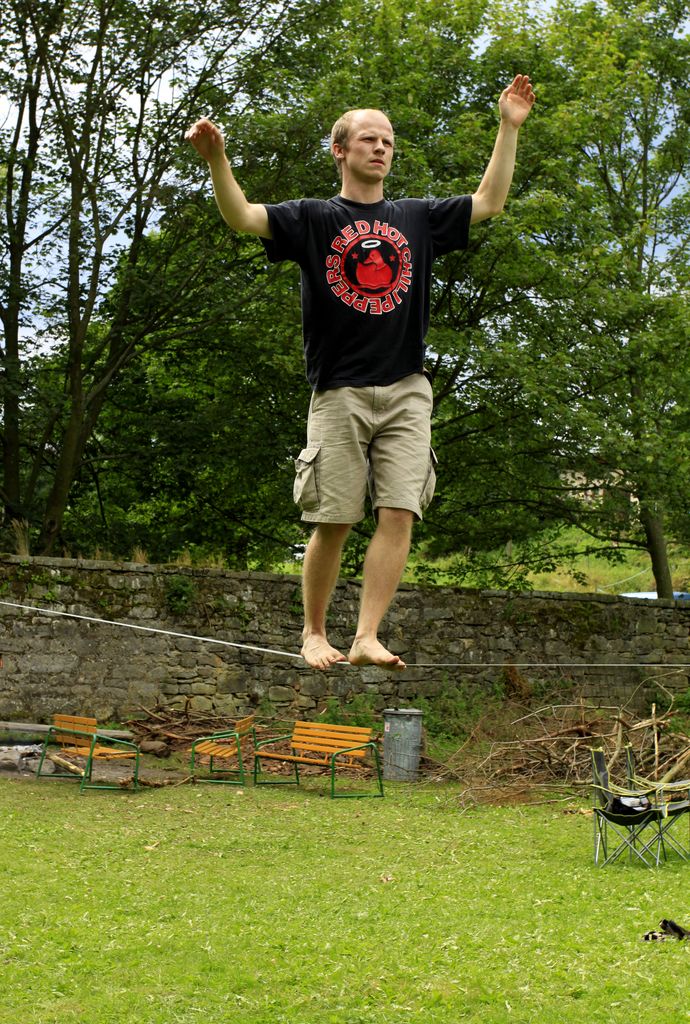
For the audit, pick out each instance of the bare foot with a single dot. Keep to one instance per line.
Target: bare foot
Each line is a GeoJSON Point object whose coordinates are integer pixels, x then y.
{"type": "Point", "coordinates": [318, 653]}
{"type": "Point", "coordinates": [371, 652]}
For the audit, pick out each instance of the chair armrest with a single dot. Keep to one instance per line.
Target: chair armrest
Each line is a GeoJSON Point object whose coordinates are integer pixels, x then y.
{"type": "Point", "coordinates": [347, 750]}
{"type": "Point", "coordinates": [224, 734]}
{"type": "Point", "coordinates": [100, 737]}
{"type": "Point", "coordinates": [663, 791]}
{"type": "Point", "coordinates": [55, 729]}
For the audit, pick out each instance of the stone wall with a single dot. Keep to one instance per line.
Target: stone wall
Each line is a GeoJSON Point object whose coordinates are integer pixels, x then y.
{"type": "Point", "coordinates": [602, 647]}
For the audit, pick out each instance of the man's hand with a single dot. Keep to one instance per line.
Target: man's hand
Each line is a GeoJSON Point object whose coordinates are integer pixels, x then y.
{"type": "Point", "coordinates": [516, 101]}
{"type": "Point", "coordinates": [514, 104]}
{"type": "Point", "coordinates": [237, 213]}
{"type": "Point", "coordinates": [206, 138]}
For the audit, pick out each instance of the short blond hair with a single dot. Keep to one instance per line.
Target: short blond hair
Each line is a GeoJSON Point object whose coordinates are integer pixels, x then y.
{"type": "Point", "coordinates": [340, 132]}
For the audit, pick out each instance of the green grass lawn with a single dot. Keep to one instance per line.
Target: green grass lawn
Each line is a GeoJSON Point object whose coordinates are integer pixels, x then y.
{"type": "Point", "coordinates": [279, 905]}
{"type": "Point", "coordinates": [632, 574]}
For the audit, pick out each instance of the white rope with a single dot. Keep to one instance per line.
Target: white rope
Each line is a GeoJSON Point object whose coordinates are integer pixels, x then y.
{"type": "Point", "coordinates": [288, 654]}
{"type": "Point", "coordinates": [551, 664]}
{"type": "Point", "coordinates": [617, 583]}
{"type": "Point", "coordinates": [149, 629]}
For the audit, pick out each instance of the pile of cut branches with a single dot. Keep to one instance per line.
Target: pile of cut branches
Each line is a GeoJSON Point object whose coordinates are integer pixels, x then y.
{"type": "Point", "coordinates": [515, 750]}
{"type": "Point", "coordinates": [173, 730]}
{"type": "Point", "coordinates": [177, 728]}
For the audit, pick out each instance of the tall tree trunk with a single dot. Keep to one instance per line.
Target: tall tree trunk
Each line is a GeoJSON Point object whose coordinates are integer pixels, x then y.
{"type": "Point", "coordinates": [11, 490]}
{"type": "Point", "coordinates": [653, 526]}
{"type": "Point", "coordinates": [68, 462]}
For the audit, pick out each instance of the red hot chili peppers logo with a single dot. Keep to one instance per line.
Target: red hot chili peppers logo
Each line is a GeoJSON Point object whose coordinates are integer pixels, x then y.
{"type": "Point", "coordinates": [371, 267]}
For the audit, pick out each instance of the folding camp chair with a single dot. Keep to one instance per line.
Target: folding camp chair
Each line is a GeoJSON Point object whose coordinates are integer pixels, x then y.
{"type": "Point", "coordinates": [643, 833]}
{"type": "Point", "coordinates": [672, 790]}
{"type": "Point", "coordinates": [673, 794]}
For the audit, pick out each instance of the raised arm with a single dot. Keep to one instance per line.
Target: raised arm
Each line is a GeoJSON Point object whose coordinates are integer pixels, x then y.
{"type": "Point", "coordinates": [514, 105]}
{"type": "Point", "coordinates": [236, 211]}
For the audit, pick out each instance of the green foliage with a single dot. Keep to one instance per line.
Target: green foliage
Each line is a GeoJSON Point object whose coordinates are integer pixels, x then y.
{"type": "Point", "coordinates": [514, 566]}
{"type": "Point", "coordinates": [241, 612]}
{"type": "Point", "coordinates": [682, 702]}
{"type": "Point", "coordinates": [357, 710]}
{"type": "Point", "coordinates": [181, 594]}
{"type": "Point", "coordinates": [558, 343]}
{"type": "Point", "coordinates": [37, 584]}
{"type": "Point", "coordinates": [200, 434]}
{"type": "Point", "coordinates": [296, 608]}
{"type": "Point", "coordinates": [560, 403]}
{"type": "Point", "coordinates": [453, 712]}
{"type": "Point", "coordinates": [265, 709]}
{"type": "Point", "coordinates": [680, 722]}
{"type": "Point", "coordinates": [102, 258]}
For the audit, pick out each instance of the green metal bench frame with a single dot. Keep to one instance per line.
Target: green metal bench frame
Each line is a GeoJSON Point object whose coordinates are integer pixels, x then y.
{"type": "Point", "coordinates": [317, 743]}
{"type": "Point", "coordinates": [77, 735]}
{"type": "Point", "coordinates": [220, 746]}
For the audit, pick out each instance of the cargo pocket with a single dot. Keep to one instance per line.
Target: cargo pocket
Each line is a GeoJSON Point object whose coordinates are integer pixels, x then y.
{"type": "Point", "coordinates": [306, 489]}
{"type": "Point", "coordinates": [430, 482]}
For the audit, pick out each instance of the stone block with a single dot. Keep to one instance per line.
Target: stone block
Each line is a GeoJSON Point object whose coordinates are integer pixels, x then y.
{"type": "Point", "coordinates": [369, 674]}
{"type": "Point", "coordinates": [199, 703]}
{"type": "Point", "coordinates": [225, 704]}
{"type": "Point", "coordinates": [119, 582]}
{"type": "Point", "coordinates": [55, 664]}
{"type": "Point", "coordinates": [387, 686]}
{"type": "Point", "coordinates": [281, 694]}
{"type": "Point", "coordinates": [189, 661]}
{"type": "Point", "coordinates": [408, 690]}
{"type": "Point", "coordinates": [305, 703]}
{"type": "Point", "coordinates": [159, 748]}
{"type": "Point", "coordinates": [341, 686]}
{"type": "Point", "coordinates": [436, 614]}
{"type": "Point", "coordinates": [313, 687]}
{"type": "Point", "coordinates": [176, 703]}
{"type": "Point", "coordinates": [10, 759]}
{"type": "Point", "coordinates": [646, 623]}
{"type": "Point", "coordinates": [202, 688]}
{"type": "Point", "coordinates": [232, 680]}
{"type": "Point", "coordinates": [181, 644]}
{"type": "Point", "coordinates": [183, 673]}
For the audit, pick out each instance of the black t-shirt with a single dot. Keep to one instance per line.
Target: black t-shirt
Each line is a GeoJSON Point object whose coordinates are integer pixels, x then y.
{"type": "Point", "coordinates": [366, 277]}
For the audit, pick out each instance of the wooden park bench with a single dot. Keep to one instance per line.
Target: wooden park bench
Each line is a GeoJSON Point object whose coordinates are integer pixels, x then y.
{"type": "Point", "coordinates": [222, 747]}
{"type": "Point", "coordinates": [77, 736]}
{"type": "Point", "coordinates": [329, 746]}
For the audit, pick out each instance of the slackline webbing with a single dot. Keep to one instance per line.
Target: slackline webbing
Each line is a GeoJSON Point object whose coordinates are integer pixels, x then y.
{"type": "Point", "coordinates": [149, 629]}
{"type": "Point", "coordinates": [298, 657]}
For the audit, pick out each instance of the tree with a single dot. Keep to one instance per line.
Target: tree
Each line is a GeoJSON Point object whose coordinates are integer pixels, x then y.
{"type": "Point", "coordinates": [578, 344]}
{"type": "Point", "coordinates": [100, 95]}
{"type": "Point", "coordinates": [558, 341]}
{"type": "Point", "coordinates": [616, 403]}
{"type": "Point", "coordinates": [194, 448]}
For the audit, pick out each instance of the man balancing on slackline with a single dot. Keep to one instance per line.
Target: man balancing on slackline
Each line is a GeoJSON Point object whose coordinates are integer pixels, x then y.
{"type": "Point", "coordinates": [366, 268]}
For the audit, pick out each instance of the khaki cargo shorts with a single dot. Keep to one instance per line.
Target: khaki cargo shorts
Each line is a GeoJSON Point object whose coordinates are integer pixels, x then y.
{"type": "Point", "coordinates": [375, 437]}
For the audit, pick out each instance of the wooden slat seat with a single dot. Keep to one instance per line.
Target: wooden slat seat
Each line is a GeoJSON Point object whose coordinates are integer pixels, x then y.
{"type": "Point", "coordinates": [79, 742]}
{"type": "Point", "coordinates": [225, 745]}
{"type": "Point", "coordinates": [78, 736]}
{"type": "Point", "coordinates": [324, 745]}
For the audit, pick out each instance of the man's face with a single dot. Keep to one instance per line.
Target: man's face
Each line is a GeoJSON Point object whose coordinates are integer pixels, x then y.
{"type": "Point", "coordinates": [369, 151]}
